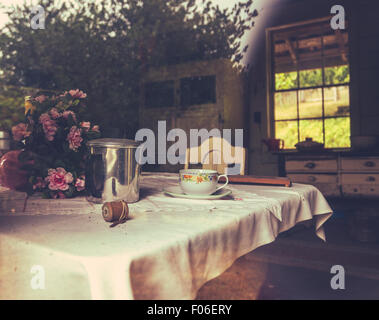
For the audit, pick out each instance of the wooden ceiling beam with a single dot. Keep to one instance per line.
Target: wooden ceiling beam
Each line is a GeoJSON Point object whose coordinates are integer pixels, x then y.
{"type": "Point", "coordinates": [314, 42]}
{"type": "Point", "coordinates": [309, 56]}
{"type": "Point", "coordinates": [341, 43]}
{"type": "Point", "coordinates": [292, 51]}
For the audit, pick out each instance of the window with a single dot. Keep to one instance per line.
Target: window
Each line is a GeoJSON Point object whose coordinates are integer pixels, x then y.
{"type": "Point", "coordinates": [159, 94]}
{"type": "Point", "coordinates": [309, 84]}
{"type": "Point", "coordinates": [192, 91]}
{"type": "Point", "coordinates": [197, 90]}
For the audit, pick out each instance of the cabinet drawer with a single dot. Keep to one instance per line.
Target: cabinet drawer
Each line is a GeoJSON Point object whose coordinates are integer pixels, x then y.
{"type": "Point", "coordinates": [312, 178]}
{"type": "Point", "coordinates": [363, 190]}
{"type": "Point", "coordinates": [360, 178]}
{"type": "Point", "coordinates": [327, 165]}
{"type": "Point", "coordinates": [360, 164]}
{"type": "Point", "coordinates": [326, 183]}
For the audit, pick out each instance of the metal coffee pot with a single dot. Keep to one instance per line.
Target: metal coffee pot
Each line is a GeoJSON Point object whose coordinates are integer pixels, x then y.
{"type": "Point", "coordinates": [112, 171]}
{"type": "Point", "coordinates": [4, 142]}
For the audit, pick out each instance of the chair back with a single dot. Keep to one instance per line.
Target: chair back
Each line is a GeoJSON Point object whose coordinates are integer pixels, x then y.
{"type": "Point", "coordinates": [218, 154]}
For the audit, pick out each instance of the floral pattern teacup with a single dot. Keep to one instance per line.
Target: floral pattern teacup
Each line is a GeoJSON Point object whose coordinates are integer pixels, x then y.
{"type": "Point", "coordinates": [200, 181]}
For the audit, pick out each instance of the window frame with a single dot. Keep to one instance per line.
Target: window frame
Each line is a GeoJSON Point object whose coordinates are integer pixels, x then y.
{"type": "Point", "coordinates": [270, 83]}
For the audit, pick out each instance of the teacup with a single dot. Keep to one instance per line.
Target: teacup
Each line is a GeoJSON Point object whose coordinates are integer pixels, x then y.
{"type": "Point", "coordinates": [200, 181]}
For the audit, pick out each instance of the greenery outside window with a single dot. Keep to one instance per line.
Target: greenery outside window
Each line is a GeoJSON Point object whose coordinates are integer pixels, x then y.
{"type": "Point", "coordinates": [309, 83]}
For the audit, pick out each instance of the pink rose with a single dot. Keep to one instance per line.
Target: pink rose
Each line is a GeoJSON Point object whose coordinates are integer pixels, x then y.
{"type": "Point", "coordinates": [67, 113]}
{"type": "Point", "coordinates": [80, 183]}
{"type": "Point", "coordinates": [77, 94]}
{"type": "Point", "coordinates": [49, 126]}
{"type": "Point", "coordinates": [40, 98]}
{"type": "Point", "coordinates": [96, 128]}
{"type": "Point", "coordinates": [85, 125]}
{"type": "Point", "coordinates": [54, 113]}
{"type": "Point", "coordinates": [74, 138]}
{"type": "Point", "coordinates": [44, 117]}
{"type": "Point", "coordinates": [59, 179]}
{"type": "Point", "coordinates": [20, 131]}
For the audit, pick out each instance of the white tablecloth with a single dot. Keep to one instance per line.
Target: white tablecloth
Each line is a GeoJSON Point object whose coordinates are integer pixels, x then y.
{"type": "Point", "coordinates": [168, 250]}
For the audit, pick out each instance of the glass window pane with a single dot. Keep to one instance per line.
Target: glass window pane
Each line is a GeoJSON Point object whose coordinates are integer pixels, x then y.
{"type": "Point", "coordinates": [285, 60]}
{"type": "Point", "coordinates": [337, 133]}
{"type": "Point", "coordinates": [197, 90]}
{"type": "Point", "coordinates": [337, 75]}
{"type": "Point", "coordinates": [310, 103]}
{"type": "Point", "coordinates": [311, 129]}
{"type": "Point", "coordinates": [287, 80]}
{"type": "Point", "coordinates": [311, 85]}
{"type": "Point", "coordinates": [285, 105]}
{"type": "Point", "coordinates": [337, 101]}
{"type": "Point", "coordinates": [310, 78]}
{"type": "Point", "coordinates": [287, 131]}
{"type": "Point", "coordinates": [159, 94]}
{"type": "Point", "coordinates": [309, 51]}
{"type": "Point", "coordinates": [336, 47]}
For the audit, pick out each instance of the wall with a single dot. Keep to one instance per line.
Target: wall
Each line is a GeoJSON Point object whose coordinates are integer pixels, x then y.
{"type": "Point", "coordinates": [227, 113]}
{"type": "Point", "coordinates": [364, 66]}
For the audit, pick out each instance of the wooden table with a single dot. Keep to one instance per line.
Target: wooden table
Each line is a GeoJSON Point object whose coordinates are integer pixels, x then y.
{"type": "Point", "coordinates": [167, 250]}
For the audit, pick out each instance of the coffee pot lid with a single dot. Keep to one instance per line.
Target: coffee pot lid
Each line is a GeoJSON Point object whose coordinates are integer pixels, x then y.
{"type": "Point", "coordinates": [113, 142]}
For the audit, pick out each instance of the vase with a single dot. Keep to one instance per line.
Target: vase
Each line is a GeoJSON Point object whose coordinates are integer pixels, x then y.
{"type": "Point", "coordinates": [11, 173]}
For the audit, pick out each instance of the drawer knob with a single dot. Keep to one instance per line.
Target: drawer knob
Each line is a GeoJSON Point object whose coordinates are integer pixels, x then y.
{"type": "Point", "coordinates": [310, 165]}
{"type": "Point", "coordinates": [312, 178]}
{"type": "Point", "coordinates": [370, 178]}
{"type": "Point", "coordinates": [369, 164]}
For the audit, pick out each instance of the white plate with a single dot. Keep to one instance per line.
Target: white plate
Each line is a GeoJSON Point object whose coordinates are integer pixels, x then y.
{"type": "Point", "coordinates": [177, 192]}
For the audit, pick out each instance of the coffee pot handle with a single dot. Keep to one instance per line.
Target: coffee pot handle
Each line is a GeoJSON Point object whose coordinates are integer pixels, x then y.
{"type": "Point", "coordinates": [225, 184]}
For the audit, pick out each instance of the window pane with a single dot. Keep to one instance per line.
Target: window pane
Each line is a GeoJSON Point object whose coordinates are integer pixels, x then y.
{"type": "Point", "coordinates": [159, 94]}
{"type": "Point", "coordinates": [287, 80]}
{"type": "Point", "coordinates": [336, 47]}
{"type": "Point", "coordinates": [311, 84]}
{"type": "Point", "coordinates": [337, 75]}
{"type": "Point", "coordinates": [337, 133]}
{"type": "Point", "coordinates": [337, 101]}
{"type": "Point", "coordinates": [309, 53]}
{"type": "Point", "coordinates": [287, 131]}
{"type": "Point", "coordinates": [311, 129]}
{"type": "Point", "coordinates": [310, 78]}
{"type": "Point", "coordinates": [197, 90]}
{"type": "Point", "coordinates": [286, 105]}
{"type": "Point", "coordinates": [310, 103]}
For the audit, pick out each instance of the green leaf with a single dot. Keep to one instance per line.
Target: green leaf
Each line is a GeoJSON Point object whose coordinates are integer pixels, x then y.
{"type": "Point", "coordinates": [59, 163]}
{"type": "Point", "coordinates": [46, 194]}
{"type": "Point", "coordinates": [70, 192]}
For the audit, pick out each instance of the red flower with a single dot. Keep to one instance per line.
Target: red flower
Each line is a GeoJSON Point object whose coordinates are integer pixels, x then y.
{"type": "Point", "coordinates": [80, 183]}
{"type": "Point", "coordinates": [74, 138]}
{"type": "Point", "coordinates": [49, 126]}
{"type": "Point", "coordinates": [85, 125]}
{"type": "Point", "coordinates": [59, 179]}
{"type": "Point", "coordinates": [77, 93]}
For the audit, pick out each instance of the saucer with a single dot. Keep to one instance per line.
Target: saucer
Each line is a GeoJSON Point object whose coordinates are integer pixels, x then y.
{"type": "Point", "coordinates": [177, 192]}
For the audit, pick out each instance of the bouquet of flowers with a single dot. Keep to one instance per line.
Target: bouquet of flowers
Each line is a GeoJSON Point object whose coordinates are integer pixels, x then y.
{"type": "Point", "coordinates": [53, 146]}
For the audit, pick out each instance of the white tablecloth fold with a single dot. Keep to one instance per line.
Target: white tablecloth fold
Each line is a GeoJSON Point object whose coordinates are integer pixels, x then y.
{"type": "Point", "coordinates": [167, 250]}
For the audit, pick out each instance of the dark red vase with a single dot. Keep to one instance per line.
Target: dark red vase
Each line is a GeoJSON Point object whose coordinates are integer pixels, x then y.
{"type": "Point", "coordinates": [11, 174]}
